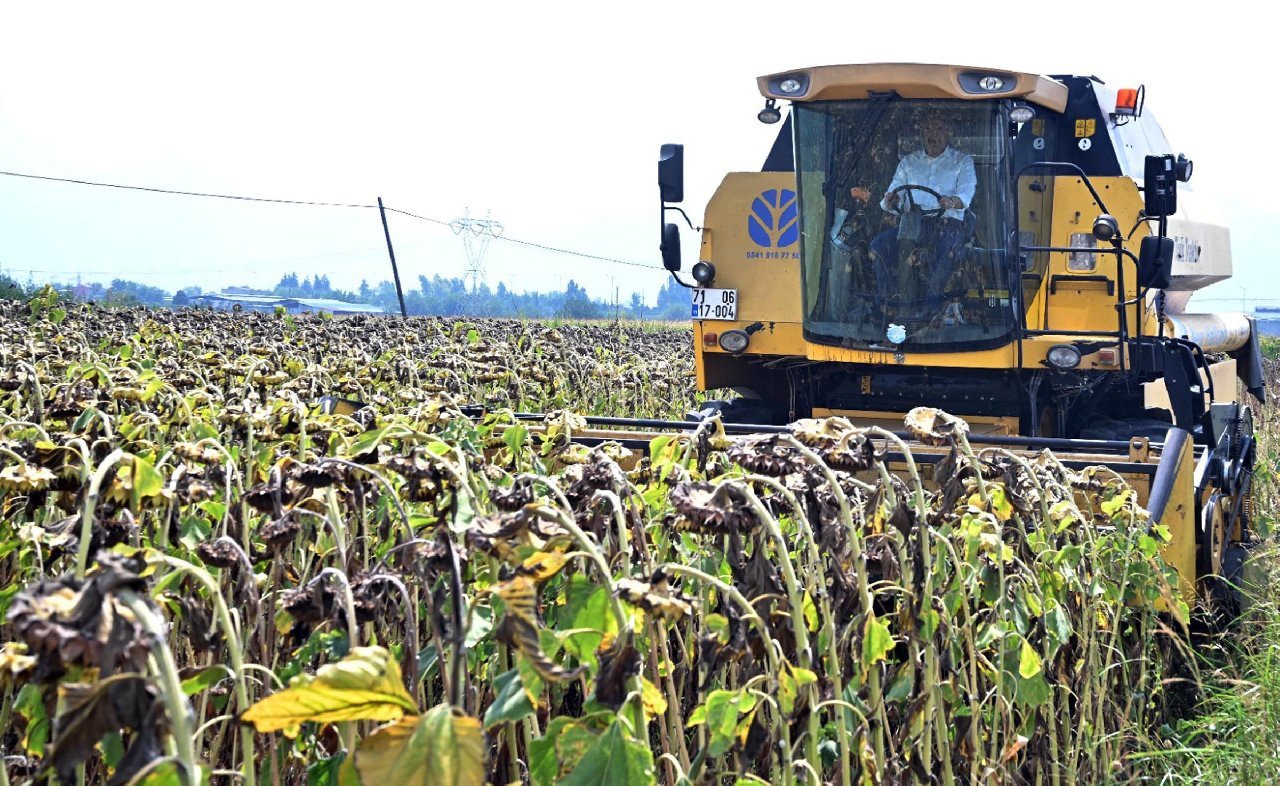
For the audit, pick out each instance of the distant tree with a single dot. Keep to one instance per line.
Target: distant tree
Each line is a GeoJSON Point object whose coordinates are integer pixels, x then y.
{"type": "Point", "coordinates": [10, 289]}
{"type": "Point", "coordinates": [577, 304]}
{"type": "Point", "coordinates": [133, 293]}
{"type": "Point", "coordinates": [673, 301]}
{"type": "Point", "coordinates": [180, 298]}
{"type": "Point", "coordinates": [288, 281]}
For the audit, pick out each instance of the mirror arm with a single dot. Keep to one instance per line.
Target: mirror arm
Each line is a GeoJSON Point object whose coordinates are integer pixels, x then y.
{"type": "Point", "coordinates": [681, 283]}
{"type": "Point", "coordinates": [680, 210]}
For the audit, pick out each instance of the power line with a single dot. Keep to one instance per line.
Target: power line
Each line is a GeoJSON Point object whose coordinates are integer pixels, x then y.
{"type": "Point", "coordinates": [531, 244]}
{"type": "Point", "coordinates": [312, 203]}
{"type": "Point", "coordinates": [182, 193]}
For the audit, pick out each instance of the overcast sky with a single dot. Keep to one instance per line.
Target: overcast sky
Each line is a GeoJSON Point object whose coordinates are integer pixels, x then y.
{"type": "Point", "coordinates": [545, 116]}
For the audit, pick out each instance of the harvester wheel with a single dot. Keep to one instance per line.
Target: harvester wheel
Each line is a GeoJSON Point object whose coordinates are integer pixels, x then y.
{"type": "Point", "coordinates": [1220, 563]}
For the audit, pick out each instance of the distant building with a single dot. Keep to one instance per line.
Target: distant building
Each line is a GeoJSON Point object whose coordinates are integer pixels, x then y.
{"type": "Point", "coordinates": [1268, 320]}
{"type": "Point", "coordinates": [228, 300]}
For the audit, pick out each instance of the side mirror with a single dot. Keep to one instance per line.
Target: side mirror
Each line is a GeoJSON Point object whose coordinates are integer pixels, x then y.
{"type": "Point", "coordinates": [671, 173]}
{"type": "Point", "coordinates": [1155, 262]}
{"type": "Point", "coordinates": [671, 247]}
{"type": "Point", "coordinates": [1160, 186]}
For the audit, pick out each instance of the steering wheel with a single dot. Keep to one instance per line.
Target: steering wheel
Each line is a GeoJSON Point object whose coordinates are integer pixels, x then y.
{"type": "Point", "coordinates": [908, 188]}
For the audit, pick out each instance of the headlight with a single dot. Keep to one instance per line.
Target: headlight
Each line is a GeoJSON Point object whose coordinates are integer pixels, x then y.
{"type": "Point", "coordinates": [734, 341]}
{"type": "Point", "coordinates": [1022, 114]}
{"type": "Point", "coordinates": [992, 83]}
{"type": "Point", "coordinates": [1061, 356]}
{"type": "Point", "coordinates": [704, 273]}
{"type": "Point", "coordinates": [789, 85]}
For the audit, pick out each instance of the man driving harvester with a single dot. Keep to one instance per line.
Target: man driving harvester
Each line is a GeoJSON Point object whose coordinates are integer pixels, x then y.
{"type": "Point", "coordinates": [930, 191]}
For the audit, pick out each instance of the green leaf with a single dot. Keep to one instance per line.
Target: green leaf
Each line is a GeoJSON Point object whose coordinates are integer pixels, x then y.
{"type": "Point", "coordinates": [441, 747]}
{"type": "Point", "coordinates": [614, 759]}
{"type": "Point", "coordinates": [1114, 505]}
{"type": "Point", "coordinates": [1029, 664]}
{"type": "Point", "coordinates": [876, 641]}
{"type": "Point", "coordinates": [719, 625]}
{"type": "Point", "coordinates": [1148, 546]}
{"type": "Point", "coordinates": [112, 749]}
{"type": "Point", "coordinates": [146, 481]}
{"type": "Point", "coordinates": [544, 764]}
{"type": "Point", "coordinates": [510, 702]}
{"type": "Point", "coordinates": [1000, 504]}
{"type": "Point", "coordinates": [903, 684]}
{"type": "Point", "coordinates": [592, 625]}
{"type": "Point", "coordinates": [202, 430]}
{"type": "Point", "coordinates": [194, 530]}
{"type": "Point", "coordinates": [697, 717]}
{"type": "Point", "coordinates": [515, 437]}
{"type": "Point", "coordinates": [366, 442]}
{"type": "Point", "coordinates": [169, 774]}
{"type": "Point", "coordinates": [1058, 623]}
{"type": "Point", "coordinates": [723, 708]}
{"type": "Point", "coordinates": [30, 705]}
{"type": "Point", "coordinates": [205, 679]}
{"type": "Point", "coordinates": [325, 771]}
{"type": "Point", "coordinates": [790, 680]}
{"type": "Point", "coordinates": [1032, 692]}
{"type": "Point", "coordinates": [365, 685]}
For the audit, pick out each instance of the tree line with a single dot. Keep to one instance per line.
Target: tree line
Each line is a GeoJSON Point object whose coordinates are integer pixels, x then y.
{"type": "Point", "coordinates": [434, 296]}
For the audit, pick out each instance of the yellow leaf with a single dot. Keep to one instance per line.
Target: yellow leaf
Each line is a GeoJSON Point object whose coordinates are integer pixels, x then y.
{"type": "Point", "coordinates": [543, 565]}
{"type": "Point", "coordinates": [365, 685]}
{"type": "Point", "coordinates": [654, 702]}
{"type": "Point", "coordinates": [439, 748]}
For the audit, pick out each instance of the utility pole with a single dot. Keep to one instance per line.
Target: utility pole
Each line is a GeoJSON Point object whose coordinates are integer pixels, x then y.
{"type": "Point", "coordinates": [395, 272]}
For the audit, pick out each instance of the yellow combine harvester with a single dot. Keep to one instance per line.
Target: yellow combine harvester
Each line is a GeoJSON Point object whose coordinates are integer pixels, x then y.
{"type": "Point", "coordinates": [1012, 248]}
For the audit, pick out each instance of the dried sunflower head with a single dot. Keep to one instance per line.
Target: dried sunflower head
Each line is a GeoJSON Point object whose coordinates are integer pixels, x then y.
{"type": "Point", "coordinates": [710, 509]}
{"type": "Point", "coordinates": [264, 496]}
{"type": "Point", "coordinates": [69, 622]}
{"type": "Point", "coordinates": [932, 426]}
{"type": "Point", "coordinates": [220, 553]}
{"type": "Point", "coordinates": [197, 453]}
{"type": "Point", "coordinates": [516, 496]}
{"type": "Point", "coordinates": [25, 478]}
{"type": "Point", "coordinates": [318, 476]}
{"type": "Point", "coordinates": [766, 455]}
{"type": "Point", "coordinates": [280, 532]}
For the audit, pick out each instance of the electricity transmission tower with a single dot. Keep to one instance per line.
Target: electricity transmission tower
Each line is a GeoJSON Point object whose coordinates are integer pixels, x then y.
{"type": "Point", "coordinates": [476, 234]}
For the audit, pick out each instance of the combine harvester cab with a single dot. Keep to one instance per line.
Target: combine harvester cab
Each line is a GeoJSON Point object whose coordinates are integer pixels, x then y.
{"type": "Point", "coordinates": [1018, 250]}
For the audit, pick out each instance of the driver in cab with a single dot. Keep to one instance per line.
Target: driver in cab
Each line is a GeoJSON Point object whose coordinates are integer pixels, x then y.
{"type": "Point", "coordinates": [936, 182]}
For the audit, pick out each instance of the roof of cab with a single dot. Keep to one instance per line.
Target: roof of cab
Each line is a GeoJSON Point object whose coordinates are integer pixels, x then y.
{"type": "Point", "coordinates": [913, 80]}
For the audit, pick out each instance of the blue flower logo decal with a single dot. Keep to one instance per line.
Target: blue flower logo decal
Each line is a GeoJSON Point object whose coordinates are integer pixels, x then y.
{"type": "Point", "coordinates": [773, 220]}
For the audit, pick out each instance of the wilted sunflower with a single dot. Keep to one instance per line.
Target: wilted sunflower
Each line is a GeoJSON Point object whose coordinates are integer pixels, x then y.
{"type": "Point", "coordinates": [710, 509]}
{"type": "Point", "coordinates": [25, 478]}
{"type": "Point", "coordinates": [932, 426]}
{"type": "Point", "coordinates": [69, 622]}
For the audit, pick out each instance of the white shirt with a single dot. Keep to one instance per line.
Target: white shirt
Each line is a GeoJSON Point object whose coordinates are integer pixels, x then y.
{"type": "Point", "coordinates": [950, 174]}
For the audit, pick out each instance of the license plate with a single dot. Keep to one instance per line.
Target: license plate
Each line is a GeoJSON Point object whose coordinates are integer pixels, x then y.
{"type": "Point", "coordinates": [715, 303]}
